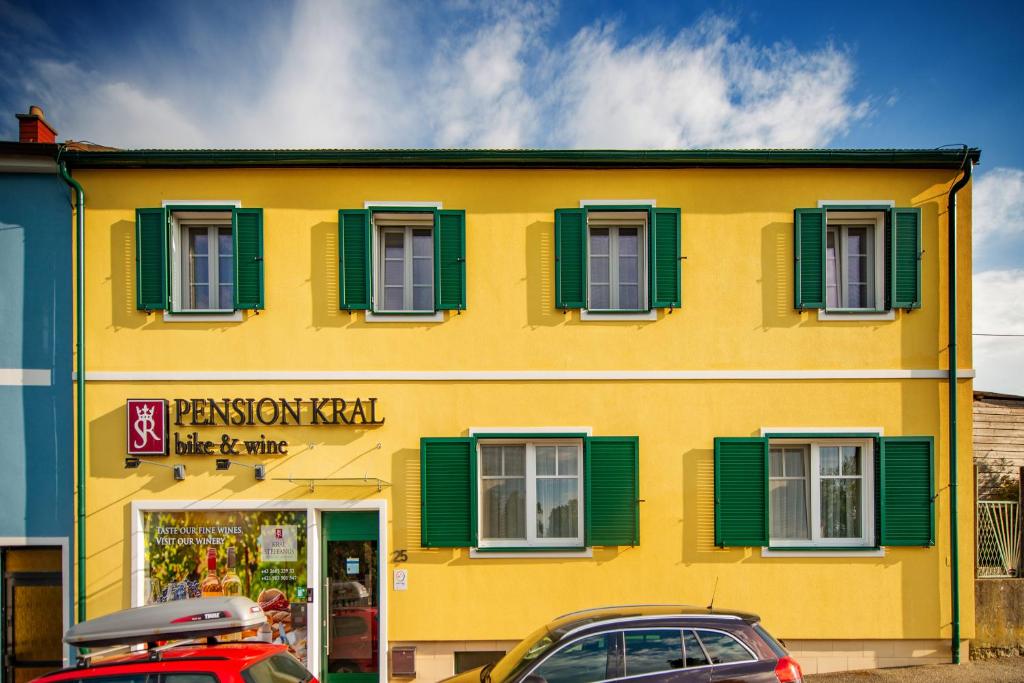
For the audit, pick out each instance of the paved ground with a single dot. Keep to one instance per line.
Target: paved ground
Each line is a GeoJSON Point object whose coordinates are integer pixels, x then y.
{"type": "Point", "coordinates": [1004, 670]}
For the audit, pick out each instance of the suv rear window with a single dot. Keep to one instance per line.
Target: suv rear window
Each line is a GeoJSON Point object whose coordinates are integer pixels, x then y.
{"type": "Point", "coordinates": [723, 648]}
{"type": "Point", "coordinates": [277, 669]}
{"type": "Point", "coordinates": [775, 645]}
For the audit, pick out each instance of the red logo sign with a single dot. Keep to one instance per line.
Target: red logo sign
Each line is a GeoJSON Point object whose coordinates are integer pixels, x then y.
{"type": "Point", "coordinates": [279, 533]}
{"type": "Point", "coordinates": [147, 426]}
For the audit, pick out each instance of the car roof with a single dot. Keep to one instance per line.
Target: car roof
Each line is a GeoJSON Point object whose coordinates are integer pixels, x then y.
{"type": "Point", "coordinates": [574, 621]}
{"type": "Point", "coordinates": [219, 657]}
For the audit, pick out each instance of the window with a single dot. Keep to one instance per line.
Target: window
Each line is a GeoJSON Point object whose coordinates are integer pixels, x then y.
{"type": "Point", "coordinates": [621, 260]}
{"type": "Point", "coordinates": [280, 668]}
{"type": "Point", "coordinates": [792, 491]}
{"type": "Point", "coordinates": [199, 259]}
{"type": "Point", "coordinates": [205, 273]}
{"type": "Point", "coordinates": [723, 648]}
{"type": "Point", "coordinates": [857, 259]}
{"type": "Point", "coordinates": [695, 655]}
{"type": "Point", "coordinates": [653, 650]}
{"type": "Point", "coordinates": [617, 242]}
{"type": "Point", "coordinates": [397, 261]}
{"type": "Point", "coordinates": [405, 262]}
{"type": "Point", "coordinates": [531, 493]}
{"type": "Point", "coordinates": [820, 493]}
{"type": "Point", "coordinates": [853, 259]}
{"type": "Point", "coordinates": [594, 658]}
{"type": "Point", "coordinates": [501, 492]}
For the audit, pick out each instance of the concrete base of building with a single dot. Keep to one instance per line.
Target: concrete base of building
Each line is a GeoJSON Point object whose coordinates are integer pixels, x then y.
{"type": "Point", "coordinates": [827, 656]}
{"type": "Point", "coordinates": [436, 660]}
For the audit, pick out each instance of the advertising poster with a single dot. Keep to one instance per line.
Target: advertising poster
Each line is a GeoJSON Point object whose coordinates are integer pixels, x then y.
{"type": "Point", "coordinates": [258, 554]}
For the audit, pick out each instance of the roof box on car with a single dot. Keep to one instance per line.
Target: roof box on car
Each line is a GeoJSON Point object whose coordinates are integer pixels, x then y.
{"type": "Point", "coordinates": [180, 619]}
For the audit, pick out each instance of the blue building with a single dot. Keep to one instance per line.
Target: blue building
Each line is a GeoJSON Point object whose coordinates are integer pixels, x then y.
{"type": "Point", "coordinates": [36, 419]}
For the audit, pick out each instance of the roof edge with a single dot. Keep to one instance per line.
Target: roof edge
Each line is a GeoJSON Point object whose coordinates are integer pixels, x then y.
{"type": "Point", "coordinates": [595, 159]}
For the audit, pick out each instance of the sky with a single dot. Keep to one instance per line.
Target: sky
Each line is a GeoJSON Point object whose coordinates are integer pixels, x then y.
{"type": "Point", "coordinates": [741, 73]}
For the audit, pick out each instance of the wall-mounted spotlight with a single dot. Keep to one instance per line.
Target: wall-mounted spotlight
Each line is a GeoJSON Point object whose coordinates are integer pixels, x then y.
{"type": "Point", "coordinates": [133, 464]}
{"type": "Point", "coordinates": [260, 471]}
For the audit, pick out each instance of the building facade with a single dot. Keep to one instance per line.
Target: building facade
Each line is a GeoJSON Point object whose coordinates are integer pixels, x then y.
{"type": "Point", "coordinates": [36, 455]}
{"type": "Point", "coordinates": [432, 400]}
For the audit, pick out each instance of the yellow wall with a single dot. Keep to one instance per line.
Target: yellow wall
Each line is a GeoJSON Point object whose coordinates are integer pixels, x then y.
{"type": "Point", "coordinates": [737, 315]}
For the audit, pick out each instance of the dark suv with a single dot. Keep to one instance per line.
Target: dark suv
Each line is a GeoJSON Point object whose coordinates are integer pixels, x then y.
{"type": "Point", "coordinates": [645, 643]}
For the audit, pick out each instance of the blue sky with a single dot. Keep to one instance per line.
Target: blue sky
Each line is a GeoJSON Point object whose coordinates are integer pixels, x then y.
{"type": "Point", "coordinates": [547, 74]}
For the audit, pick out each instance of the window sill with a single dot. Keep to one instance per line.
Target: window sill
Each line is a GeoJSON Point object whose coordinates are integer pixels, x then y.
{"type": "Point", "coordinates": [529, 553]}
{"type": "Point", "coordinates": [203, 317]}
{"type": "Point", "coordinates": [823, 551]}
{"type": "Point", "coordinates": [401, 317]}
{"type": "Point", "coordinates": [613, 316]}
{"type": "Point", "coordinates": [824, 314]}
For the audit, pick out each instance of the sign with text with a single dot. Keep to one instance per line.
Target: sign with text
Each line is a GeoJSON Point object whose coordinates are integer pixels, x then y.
{"type": "Point", "coordinates": [147, 426]}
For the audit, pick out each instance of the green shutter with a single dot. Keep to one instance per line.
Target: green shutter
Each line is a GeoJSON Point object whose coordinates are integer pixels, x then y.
{"type": "Point", "coordinates": [450, 257]}
{"type": "Point", "coordinates": [809, 257]}
{"type": "Point", "coordinates": [907, 490]}
{"type": "Point", "coordinates": [151, 259]}
{"type": "Point", "coordinates": [665, 253]}
{"type": "Point", "coordinates": [447, 492]}
{"type": "Point", "coordinates": [570, 258]}
{"type": "Point", "coordinates": [741, 491]}
{"type": "Point", "coordinates": [354, 259]}
{"type": "Point", "coordinates": [612, 490]}
{"type": "Point", "coordinates": [247, 233]}
{"type": "Point", "coordinates": [905, 256]}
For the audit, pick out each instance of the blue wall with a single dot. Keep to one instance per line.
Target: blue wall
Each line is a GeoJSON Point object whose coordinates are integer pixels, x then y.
{"type": "Point", "coordinates": [36, 422]}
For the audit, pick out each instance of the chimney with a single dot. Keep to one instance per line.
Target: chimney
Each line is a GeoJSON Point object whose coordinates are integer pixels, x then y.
{"type": "Point", "coordinates": [32, 127]}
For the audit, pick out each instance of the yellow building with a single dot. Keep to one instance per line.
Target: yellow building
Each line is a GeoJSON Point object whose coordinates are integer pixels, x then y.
{"type": "Point", "coordinates": [487, 388]}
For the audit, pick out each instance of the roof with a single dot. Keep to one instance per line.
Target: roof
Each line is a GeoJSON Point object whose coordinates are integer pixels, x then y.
{"type": "Point", "coordinates": [986, 395]}
{"type": "Point", "coordinates": [77, 157]}
{"type": "Point", "coordinates": [235, 656]}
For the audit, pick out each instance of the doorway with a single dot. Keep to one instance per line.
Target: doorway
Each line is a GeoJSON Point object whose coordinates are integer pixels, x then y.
{"type": "Point", "coordinates": [350, 583]}
{"type": "Point", "coordinates": [32, 603]}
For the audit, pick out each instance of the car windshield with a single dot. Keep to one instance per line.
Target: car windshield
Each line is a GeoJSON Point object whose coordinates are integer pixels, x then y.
{"type": "Point", "coordinates": [522, 655]}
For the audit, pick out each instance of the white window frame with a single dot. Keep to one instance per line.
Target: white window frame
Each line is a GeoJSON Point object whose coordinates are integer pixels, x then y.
{"type": "Point", "coordinates": [384, 222]}
{"type": "Point", "coordinates": [841, 220]}
{"type": "Point", "coordinates": [181, 222]}
{"type": "Point", "coordinates": [531, 540]}
{"type": "Point", "coordinates": [867, 493]}
{"type": "Point", "coordinates": [613, 221]}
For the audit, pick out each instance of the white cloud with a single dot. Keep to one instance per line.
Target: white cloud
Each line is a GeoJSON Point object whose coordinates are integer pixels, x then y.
{"type": "Point", "coordinates": [998, 205]}
{"type": "Point", "coordinates": [380, 74]}
{"type": "Point", "coordinates": [997, 310]}
{"type": "Point", "coordinates": [704, 88]}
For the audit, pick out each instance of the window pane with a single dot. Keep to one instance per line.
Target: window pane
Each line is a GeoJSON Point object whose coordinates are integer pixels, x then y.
{"type": "Point", "coordinates": [851, 459]}
{"type": "Point", "coordinates": [789, 509]}
{"type": "Point", "coordinates": [423, 298]}
{"type": "Point", "coordinates": [225, 270]}
{"type": "Point", "coordinates": [840, 508]}
{"type": "Point", "coordinates": [546, 461]}
{"type": "Point", "coordinates": [224, 246]}
{"type": "Point", "coordinates": [199, 242]}
{"type": "Point", "coordinates": [568, 460]}
{"type": "Point", "coordinates": [504, 508]}
{"type": "Point", "coordinates": [831, 271]}
{"type": "Point", "coordinates": [694, 654]}
{"type": "Point", "coordinates": [515, 460]}
{"type": "Point", "coordinates": [629, 239]}
{"type": "Point", "coordinates": [829, 456]}
{"type": "Point", "coordinates": [795, 463]}
{"type": "Point", "coordinates": [857, 267]}
{"type": "Point", "coordinates": [580, 662]}
{"type": "Point", "coordinates": [557, 508]}
{"type": "Point", "coordinates": [629, 297]}
{"type": "Point", "coordinates": [599, 296]}
{"type": "Point", "coordinates": [491, 465]}
{"type": "Point", "coordinates": [191, 678]}
{"type": "Point", "coordinates": [652, 651]}
{"type": "Point", "coordinates": [599, 241]}
{"type": "Point", "coordinates": [227, 299]}
{"type": "Point", "coordinates": [723, 648]}
{"type": "Point", "coordinates": [422, 244]}
{"type": "Point", "coordinates": [422, 271]}
{"type": "Point", "coordinates": [775, 463]}
{"type": "Point", "coordinates": [599, 269]}
{"type": "Point", "coordinates": [393, 299]}
{"type": "Point", "coordinates": [200, 297]}
{"type": "Point", "coordinates": [394, 243]}
{"type": "Point", "coordinates": [394, 272]}
{"type": "Point", "coordinates": [629, 269]}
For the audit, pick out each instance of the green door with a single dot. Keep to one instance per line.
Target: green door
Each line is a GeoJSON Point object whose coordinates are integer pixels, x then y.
{"type": "Point", "coordinates": [351, 589]}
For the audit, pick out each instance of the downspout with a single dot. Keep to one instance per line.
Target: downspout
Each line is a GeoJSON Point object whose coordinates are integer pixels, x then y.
{"type": "Point", "coordinates": [79, 377]}
{"type": "Point", "coordinates": [953, 517]}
